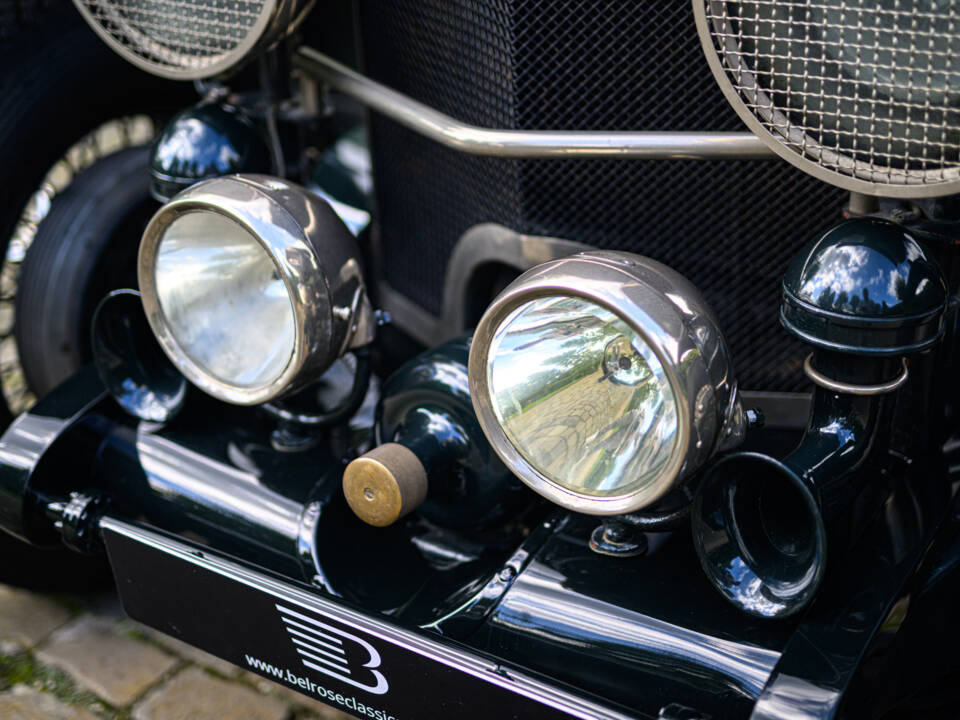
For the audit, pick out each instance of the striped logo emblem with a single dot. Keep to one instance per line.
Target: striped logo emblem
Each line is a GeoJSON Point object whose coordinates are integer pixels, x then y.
{"type": "Point", "coordinates": [334, 652]}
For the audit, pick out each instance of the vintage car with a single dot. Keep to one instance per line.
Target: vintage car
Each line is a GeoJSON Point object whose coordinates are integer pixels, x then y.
{"type": "Point", "coordinates": [496, 358]}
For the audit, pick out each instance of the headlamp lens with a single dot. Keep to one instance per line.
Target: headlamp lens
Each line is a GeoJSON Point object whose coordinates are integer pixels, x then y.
{"type": "Point", "coordinates": [224, 300]}
{"type": "Point", "coordinates": [581, 396]}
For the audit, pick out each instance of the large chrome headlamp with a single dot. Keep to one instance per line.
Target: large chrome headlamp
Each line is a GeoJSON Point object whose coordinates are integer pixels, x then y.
{"type": "Point", "coordinates": [190, 39]}
{"type": "Point", "coordinates": [602, 380]}
{"type": "Point", "coordinates": [253, 287]}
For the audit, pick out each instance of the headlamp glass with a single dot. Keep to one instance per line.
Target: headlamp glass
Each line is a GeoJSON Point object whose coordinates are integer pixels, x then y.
{"type": "Point", "coordinates": [581, 396]}
{"type": "Point", "coordinates": [224, 300]}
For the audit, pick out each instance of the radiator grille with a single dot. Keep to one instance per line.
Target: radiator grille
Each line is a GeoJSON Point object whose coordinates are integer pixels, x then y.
{"type": "Point", "coordinates": [730, 226]}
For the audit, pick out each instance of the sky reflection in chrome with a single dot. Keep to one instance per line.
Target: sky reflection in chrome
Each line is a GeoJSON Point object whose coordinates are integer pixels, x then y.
{"type": "Point", "coordinates": [224, 300]}
{"type": "Point", "coordinates": [581, 396]}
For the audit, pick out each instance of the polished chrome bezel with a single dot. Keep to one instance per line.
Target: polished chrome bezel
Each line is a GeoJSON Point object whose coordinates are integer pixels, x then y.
{"type": "Point", "coordinates": [669, 315]}
{"type": "Point", "coordinates": [322, 276]}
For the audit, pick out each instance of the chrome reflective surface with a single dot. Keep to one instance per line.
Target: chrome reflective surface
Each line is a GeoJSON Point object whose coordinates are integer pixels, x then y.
{"type": "Point", "coordinates": [526, 143]}
{"type": "Point", "coordinates": [666, 322]}
{"type": "Point", "coordinates": [581, 396]}
{"type": "Point", "coordinates": [257, 261]}
{"type": "Point", "coordinates": [224, 300]}
{"type": "Point", "coordinates": [818, 378]}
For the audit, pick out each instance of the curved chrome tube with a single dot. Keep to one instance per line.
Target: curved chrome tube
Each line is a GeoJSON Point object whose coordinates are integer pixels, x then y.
{"type": "Point", "coordinates": [528, 143]}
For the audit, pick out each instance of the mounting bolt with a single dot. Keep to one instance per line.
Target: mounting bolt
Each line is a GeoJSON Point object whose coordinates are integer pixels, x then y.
{"type": "Point", "coordinates": [617, 539]}
{"type": "Point", "coordinates": [79, 521]}
{"type": "Point", "coordinates": [754, 418]}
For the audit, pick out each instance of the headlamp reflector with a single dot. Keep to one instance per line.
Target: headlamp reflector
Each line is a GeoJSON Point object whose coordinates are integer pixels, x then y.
{"type": "Point", "coordinates": [581, 396]}
{"type": "Point", "coordinates": [602, 381]}
{"type": "Point", "coordinates": [224, 299]}
{"type": "Point", "coordinates": [253, 287]}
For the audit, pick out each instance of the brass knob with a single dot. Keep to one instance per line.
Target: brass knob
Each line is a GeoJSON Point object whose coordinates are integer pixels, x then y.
{"type": "Point", "coordinates": [384, 484]}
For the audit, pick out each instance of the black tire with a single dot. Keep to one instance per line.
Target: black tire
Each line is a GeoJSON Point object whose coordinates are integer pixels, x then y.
{"type": "Point", "coordinates": [58, 82]}
{"type": "Point", "coordinates": [85, 247]}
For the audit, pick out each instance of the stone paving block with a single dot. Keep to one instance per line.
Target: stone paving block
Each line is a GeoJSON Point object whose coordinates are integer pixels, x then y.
{"type": "Point", "coordinates": [10, 647]}
{"type": "Point", "coordinates": [317, 708]}
{"type": "Point", "coordinates": [196, 695]}
{"type": "Point", "coordinates": [25, 703]}
{"type": "Point", "coordinates": [189, 652]}
{"type": "Point", "coordinates": [26, 618]}
{"type": "Point", "coordinates": [100, 658]}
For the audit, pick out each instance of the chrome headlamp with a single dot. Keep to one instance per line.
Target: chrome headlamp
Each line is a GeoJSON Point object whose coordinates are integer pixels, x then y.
{"type": "Point", "coordinates": [253, 286]}
{"type": "Point", "coordinates": [602, 380]}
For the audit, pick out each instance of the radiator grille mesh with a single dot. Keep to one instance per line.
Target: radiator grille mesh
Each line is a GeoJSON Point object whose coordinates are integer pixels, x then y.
{"type": "Point", "coordinates": [731, 227]}
{"type": "Point", "coordinates": [860, 89]}
{"type": "Point", "coordinates": [188, 38]}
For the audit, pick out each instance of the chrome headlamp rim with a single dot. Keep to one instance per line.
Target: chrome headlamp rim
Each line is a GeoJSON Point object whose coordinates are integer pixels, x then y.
{"type": "Point", "coordinates": [911, 183]}
{"type": "Point", "coordinates": [282, 238]}
{"type": "Point", "coordinates": [630, 287]}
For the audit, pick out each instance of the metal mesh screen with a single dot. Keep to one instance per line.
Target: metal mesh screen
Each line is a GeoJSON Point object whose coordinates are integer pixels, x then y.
{"type": "Point", "coordinates": [731, 227]}
{"type": "Point", "coordinates": [860, 89]}
{"type": "Point", "coordinates": [189, 38]}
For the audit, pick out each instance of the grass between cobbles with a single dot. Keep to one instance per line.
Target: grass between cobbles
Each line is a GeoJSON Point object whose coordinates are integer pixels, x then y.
{"type": "Point", "coordinates": [24, 669]}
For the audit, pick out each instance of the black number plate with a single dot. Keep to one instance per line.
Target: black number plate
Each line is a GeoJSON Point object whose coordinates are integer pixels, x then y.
{"type": "Point", "coordinates": [360, 664]}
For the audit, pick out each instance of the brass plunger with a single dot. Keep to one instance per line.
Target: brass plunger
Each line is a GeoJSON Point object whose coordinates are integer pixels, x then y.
{"type": "Point", "coordinates": [384, 484]}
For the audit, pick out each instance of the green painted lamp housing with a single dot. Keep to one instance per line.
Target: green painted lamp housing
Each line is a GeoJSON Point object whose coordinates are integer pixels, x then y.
{"type": "Point", "coordinates": [865, 287]}
{"type": "Point", "coordinates": [209, 140]}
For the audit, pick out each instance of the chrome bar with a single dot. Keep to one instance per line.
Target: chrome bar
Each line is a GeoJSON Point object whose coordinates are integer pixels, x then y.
{"type": "Point", "coordinates": [528, 143]}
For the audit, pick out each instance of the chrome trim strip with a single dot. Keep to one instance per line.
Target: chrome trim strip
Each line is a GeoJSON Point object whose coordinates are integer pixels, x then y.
{"type": "Point", "coordinates": [850, 389]}
{"type": "Point", "coordinates": [452, 657]}
{"type": "Point", "coordinates": [528, 143]}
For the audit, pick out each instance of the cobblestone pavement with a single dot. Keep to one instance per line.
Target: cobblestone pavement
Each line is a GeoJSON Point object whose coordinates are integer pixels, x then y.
{"type": "Point", "coordinates": [80, 658]}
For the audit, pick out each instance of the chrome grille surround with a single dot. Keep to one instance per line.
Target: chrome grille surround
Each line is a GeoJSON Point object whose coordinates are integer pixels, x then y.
{"type": "Point", "coordinates": [864, 94]}
{"type": "Point", "coordinates": [190, 39]}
